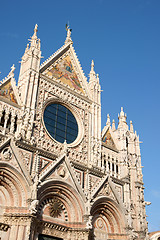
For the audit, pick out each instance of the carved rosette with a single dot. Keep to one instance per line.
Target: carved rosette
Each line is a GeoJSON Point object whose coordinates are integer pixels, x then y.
{"type": "Point", "coordinates": [56, 207]}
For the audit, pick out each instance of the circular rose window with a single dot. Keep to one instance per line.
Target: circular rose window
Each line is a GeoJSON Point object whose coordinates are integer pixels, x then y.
{"type": "Point", "coordinates": [60, 123]}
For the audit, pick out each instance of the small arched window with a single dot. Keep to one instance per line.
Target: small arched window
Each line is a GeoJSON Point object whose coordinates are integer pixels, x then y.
{"type": "Point", "coordinates": [3, 119]}
{"type": "Point", "coordinates": [126, 142]}
{"type": "Point", "coordinates": [9, 122]}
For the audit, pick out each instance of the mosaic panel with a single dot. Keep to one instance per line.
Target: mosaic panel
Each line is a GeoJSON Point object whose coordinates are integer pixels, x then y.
{"type": "Point", "coordinates": [107, 139]}
{"type": "Point", "coordinates": [7, 92]}
{"type": "Point", "coordinates": [65, 72]}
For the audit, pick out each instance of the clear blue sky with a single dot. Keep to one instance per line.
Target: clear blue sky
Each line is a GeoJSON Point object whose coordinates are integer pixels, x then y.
{"type": "Point", "coordinates": [123, 38]}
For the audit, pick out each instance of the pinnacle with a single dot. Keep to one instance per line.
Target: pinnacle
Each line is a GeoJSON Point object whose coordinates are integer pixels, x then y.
{"type": "Point", "coordinates": [113, 125]}
{"type": "Point", "coordinates": [92, 66]}
{"type": "Point", "coordinates": [35, 32]}
{"type": "Point", "coordinates": [108, 118]}
{"type": "Point", "coordinates": [36, 28]}
{"type": "Point", "coordinates": [131, 126]}
{"type": "Point", "coordinates": [121, 113]}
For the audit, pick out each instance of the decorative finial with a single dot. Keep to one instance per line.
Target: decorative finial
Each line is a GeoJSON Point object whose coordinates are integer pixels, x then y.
{"type": "Point", "coordinates": [33, 39]}
{"type": "Point", "coordinates": [35, 32]}
{"type": "Point", "coordinates": [92, 66]}
{"type": "Point", "coordinates": [121, 113]}
{"type": "Point", "coordinates": [36, 28]}
{"type": "Point", "coordinates": [108, 120]}
{"type": "Point", "coordinates": [68, 39]}
{"type": "Point", "coordinates": [13, 68]}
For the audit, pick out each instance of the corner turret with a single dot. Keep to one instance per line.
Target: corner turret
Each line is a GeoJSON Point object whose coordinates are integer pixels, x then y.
{"type": "Point", "coordinates": [95, 93]}
{"type": "Point", "coordinates": [28, 84]}
{"type": "Point", "coordinates": [29, 70]}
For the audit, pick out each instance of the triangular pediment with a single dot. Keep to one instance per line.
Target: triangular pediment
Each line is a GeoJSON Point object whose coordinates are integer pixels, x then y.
{"type": "Point", "coordinates": [11, 155]}
{"type": "Point", "coordinates": [106, 188]}
{"type": "Point", "coordinates": [107, 191]}
{"type": "Point", "coordinates": [62, 170]}
{"type": "Point", "coordinates": [64, 68]}
{"type": "Point", "coordinates": [108, 139]}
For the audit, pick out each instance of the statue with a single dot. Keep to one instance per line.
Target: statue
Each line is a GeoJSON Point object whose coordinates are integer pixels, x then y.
{"type": "Point", "coordinates": [33, 206]}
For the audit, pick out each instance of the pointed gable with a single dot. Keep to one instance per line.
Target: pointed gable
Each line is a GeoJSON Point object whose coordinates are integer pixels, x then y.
{"type": "Point", "coordinates": [64, 67]}
{"type": "Point", "coordinates": [6, 91]}
{"type": "Point", "coordinates": [108, 140]}
{"type": "Point", "coordinates": [64, 71]}
{"type": "Point", "coordinates": [8, 88]}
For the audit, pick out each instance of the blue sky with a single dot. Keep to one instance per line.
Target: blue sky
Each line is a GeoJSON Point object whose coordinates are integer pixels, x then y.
{"type": "Point", "coordinates": [123, 38]}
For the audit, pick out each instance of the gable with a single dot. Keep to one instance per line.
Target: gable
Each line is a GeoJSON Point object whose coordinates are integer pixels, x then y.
{"type": "Point", "coordinates": [108, 140]}
{"type": "Point", "coordinates": [64, 67]}
{"type": "Point", "coordinates": [62, 170]}
{"type": "Point", "coordinates": [10, 154]}
{"type": "Point", "coordinates": [64, 72]}
{"type": "Point", "coordinates": [6, 91]}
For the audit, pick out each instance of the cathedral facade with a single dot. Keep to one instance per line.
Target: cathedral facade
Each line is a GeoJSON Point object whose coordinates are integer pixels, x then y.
{"type": "Point", "coordinates": [61, 177]}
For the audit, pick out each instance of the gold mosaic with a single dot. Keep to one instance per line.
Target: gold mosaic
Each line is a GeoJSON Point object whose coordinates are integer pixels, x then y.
{"type": "Point", "coordinates": [65, 72]}
{"type": "Point", "coordinates": [7, 92]}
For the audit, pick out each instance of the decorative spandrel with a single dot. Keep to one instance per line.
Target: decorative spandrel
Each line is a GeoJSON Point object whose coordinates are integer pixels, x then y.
{"type": "Point", "coordinates": [64, 71]}
{"type": "Point", "coordinates": [7, 92]}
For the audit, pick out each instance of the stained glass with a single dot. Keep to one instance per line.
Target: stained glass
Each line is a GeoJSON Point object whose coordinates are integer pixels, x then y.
{"type": "Point", "coordinates": [60, 123]}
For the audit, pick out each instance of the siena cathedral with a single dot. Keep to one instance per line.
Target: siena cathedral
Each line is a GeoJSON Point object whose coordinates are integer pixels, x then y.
{"type": "Point", "coordinates": [61, 177]}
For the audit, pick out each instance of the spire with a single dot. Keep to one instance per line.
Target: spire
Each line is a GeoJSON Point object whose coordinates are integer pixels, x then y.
{"type": "Point", "coordinates": [113, 125]}
{"type": "Point", "coordinates": [131, 127]}
{"type": "Point", "coordinates": [30, 69]}
{"type": "Point", "coordinates": [34, 38]}
{"type": "Point", "coordinates": [92, 73]}
{"type": "Point", "coordinates": [68, 38]}
{"type": "Point", "coordinates": [92, 67]}
{"type": "Point", "coordinates": [122, 119]}
{"type": "Point", "coordinates": [35, 30]}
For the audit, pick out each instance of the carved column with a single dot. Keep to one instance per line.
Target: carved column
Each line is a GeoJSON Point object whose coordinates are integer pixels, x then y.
{"type": "Point", "coordinates": [5, 123]}
{"type": "Point", "coordinates": [12, 123]}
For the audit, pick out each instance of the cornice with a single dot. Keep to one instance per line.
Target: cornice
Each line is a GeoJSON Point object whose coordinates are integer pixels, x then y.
{"type": "Point", "coordinates": [5, 100]}
{"type": "Point", "coordinates": [32, 148]}
{"type": "Point", "coordinates": [139, 184]}
{"type": "Point", "coordinates": [94, 171]}
{"type": "Point", "coordinates": [118, 181]}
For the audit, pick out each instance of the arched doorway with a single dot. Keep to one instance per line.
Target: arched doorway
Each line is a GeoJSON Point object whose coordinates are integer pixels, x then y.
{"type": "Point", "coordinates": [108, 221]}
